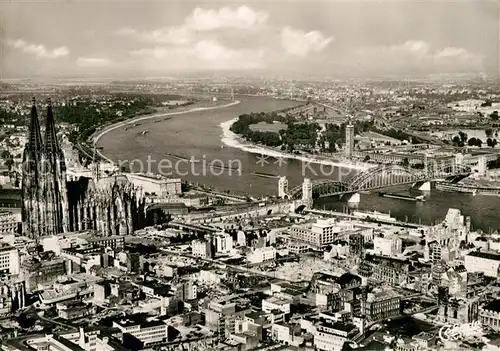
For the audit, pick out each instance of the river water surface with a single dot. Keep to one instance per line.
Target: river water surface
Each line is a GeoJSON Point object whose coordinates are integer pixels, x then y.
{"type": "Point", "coordinates": [170, 142]}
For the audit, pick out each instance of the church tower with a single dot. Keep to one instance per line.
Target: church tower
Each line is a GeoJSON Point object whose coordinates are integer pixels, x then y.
{"type": "Point", "coordinates": [53, 192]}
{"type": "Point", "coordinates": [44, 193]}
{"type": "Point", "coordinates": [31, 179]}
{"type": "Point", "coordinates": [110, 206]}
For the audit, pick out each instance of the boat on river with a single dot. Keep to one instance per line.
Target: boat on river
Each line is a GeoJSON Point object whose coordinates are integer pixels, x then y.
{"type": "Point", "coordinates": [264, 175]}
{"type": "Point", "coordinates": [402, 197]}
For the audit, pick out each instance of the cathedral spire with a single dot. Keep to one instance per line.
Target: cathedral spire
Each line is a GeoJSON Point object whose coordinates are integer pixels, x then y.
{"type": "Point", "coordinates": [35, 139]}
{"type": "Point", "coordinates": [51, 144]}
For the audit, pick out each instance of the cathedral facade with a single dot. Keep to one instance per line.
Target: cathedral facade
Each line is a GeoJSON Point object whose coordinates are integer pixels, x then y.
{"type": "Point", "coordinates": [44, 193]}
{"type": "Point", "coordinates": [52, 205]}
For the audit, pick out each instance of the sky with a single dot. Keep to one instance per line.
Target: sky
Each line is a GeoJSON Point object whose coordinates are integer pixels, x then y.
{"type": "Point", "coordinates": [362, 38]}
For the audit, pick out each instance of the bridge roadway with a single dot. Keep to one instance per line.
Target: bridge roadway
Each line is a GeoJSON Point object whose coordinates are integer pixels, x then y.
{"type": "Point", "coordinates": [198, 227]}
{"type": "Point", "coordinates": [383, 176]}
{"type": "Point", "coordinates": [345, 215]}
{"type": "Point", "coordinates": [348, 191]}
{"type": "Point", "coordinates": [237, 198]}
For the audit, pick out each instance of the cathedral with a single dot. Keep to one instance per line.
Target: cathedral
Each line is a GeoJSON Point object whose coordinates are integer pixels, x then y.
{"type": "Point", "coordinates": [52, 205]}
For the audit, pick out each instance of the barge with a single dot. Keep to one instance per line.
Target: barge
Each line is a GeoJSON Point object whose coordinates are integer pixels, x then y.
{"type": "Point", "coordinates": [466, 188]}
{"type": "Point", "coordinates": [403, 197]}
{"type": "Point", "coordinates": [265, 175]}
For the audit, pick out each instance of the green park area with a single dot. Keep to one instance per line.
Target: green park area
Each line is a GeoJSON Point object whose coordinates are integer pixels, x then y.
{"type": "Point", "coordinates": [285, 131]}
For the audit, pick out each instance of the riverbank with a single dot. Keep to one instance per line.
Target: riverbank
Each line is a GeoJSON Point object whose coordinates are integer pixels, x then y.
{"type": "Point", "coordinates": [231, 139]}
{"type": "Point", "coordinates": [101, 133]}
{"type": "Point", "coordinates": [468, 188]}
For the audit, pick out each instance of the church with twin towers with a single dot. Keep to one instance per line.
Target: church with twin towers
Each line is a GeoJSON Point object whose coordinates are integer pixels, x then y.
{"type": "Point", "coordinates": [52, 205]}
{"type": "Point", "coordinates": [44, 191]}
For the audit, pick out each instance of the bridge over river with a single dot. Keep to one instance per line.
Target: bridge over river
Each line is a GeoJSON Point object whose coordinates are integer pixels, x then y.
{"type": "Point", "coordinates": [377, 178]}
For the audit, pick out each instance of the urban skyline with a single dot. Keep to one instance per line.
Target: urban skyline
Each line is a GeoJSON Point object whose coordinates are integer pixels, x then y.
{"type": "Point", "coordinates": [273, 176]}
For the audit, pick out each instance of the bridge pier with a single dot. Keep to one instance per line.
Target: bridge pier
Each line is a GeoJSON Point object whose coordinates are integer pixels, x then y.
{"type": "Point", "coordinates": [425, 187]}
{"type": "Point", "coordinates": [308, 204]}
{"type": "Point", "coordinates": [354, 199]}
{"type": "Point", "coordinates": [422, 186]}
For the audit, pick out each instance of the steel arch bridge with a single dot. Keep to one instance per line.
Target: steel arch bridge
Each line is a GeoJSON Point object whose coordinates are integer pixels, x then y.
{"type": "Point", "coordinates": [379, 178]}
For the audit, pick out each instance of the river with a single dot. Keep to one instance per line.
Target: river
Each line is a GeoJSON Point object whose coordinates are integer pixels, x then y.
{"type": "Point", "coordinates": [197, 135]}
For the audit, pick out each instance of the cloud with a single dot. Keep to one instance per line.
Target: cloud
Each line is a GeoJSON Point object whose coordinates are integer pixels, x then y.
{"type": "Point", "coordinates": [39, 50]}
{"type": "Point", "coordinates": [200, 20]}
{"type": "Point", "coordinates": [419, 55]}
{"type": "Point", "coordinates": [453, 52]}
{"type": "Point", "coordinates": [242, 17]}
{"type": "Point", "coordinates": [225, 38]}
{"type": "Point", "coordinates": [125, 31]}
{"type": "Point", "coordinates": [204, 54]}
{"type": "Point", "coordinates": [299, 43]}
{"type": "Point", "coordinates": [423, 51]}
{"type": "Point", "coordinates": [202, 40]}
{"type": "Point", "coordinates": [156, 52]}
{"type": "Point", "coordinates": [213, 51]}
{"type": "Point", "coordinates": [93, 62]}
{"type": "Point", "coordinates": [174, 36]}
{"type": "Point", "coordinates": [417, 48]}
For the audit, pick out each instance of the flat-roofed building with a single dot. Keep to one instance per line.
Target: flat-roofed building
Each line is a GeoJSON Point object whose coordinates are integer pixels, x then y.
{"type": "Point", "coordinates": [486, 262]}
{"type": "Point", "coordinates": [113, 242]}
{"type": "Point", "coordinates": [59, 242]}
{"type": "Point", "coordinates": [220, 317]}
{"type": "Point", "coordinates": [56, 243]}
{"type": "Point", "coordinates": [10, 222]}
{"type": "Point", "coordinates": [318, 234]}
{"type": "Point", "coordinates": [325, 232]}
{"type": "Point", "coordinates": [72, 340]}
{"type": "Point", "coordinates": [156, 185]}
{"type": "Point", "coordinates": [10, 198]}
{"type": "Point", "coordinates": [83, 258]}
{"type": "Point", "coordinates": [287, 333]}
{"type": "Point", "coordinates": [298, 248]}
{"type": "Point", "coordinates": [147, 331]}
{"type": "Point", "coordinates": [36, 272]}
{"type": "Point", "coordinates": [389, 245]}
{"type": "Point", "coordinates": [381, 304]}
{"type": "Point", "coordinates": [262, 254]}
{"type": "Point", "coordinates": [273, 303]}
{"type": "Point", "coordinates": [195, 200]}
{"type": "Point", "coordinates": [9, 260]}
{"type": "Point", "coordinates": [202, 248]}
{"type": "Point", "coordinates": [153, 288]}
{"type": "Point", "coordinates": [330, 335]}
{"type": "Point", "coordinates": [387, 269]}
{"type": "Point", "coordinates": [223, 243]}
{"type": "Point", "coordinates": [78, 286]}
{"type": "Point", "coordinates": [74, 309]}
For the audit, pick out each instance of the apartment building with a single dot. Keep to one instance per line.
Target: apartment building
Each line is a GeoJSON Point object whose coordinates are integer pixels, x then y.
{"type": "Point", "coordinates": [146, 331]}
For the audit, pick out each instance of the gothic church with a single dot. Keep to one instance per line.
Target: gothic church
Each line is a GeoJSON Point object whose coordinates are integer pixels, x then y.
{"type": "Point", "coordinates": [52, 205]}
